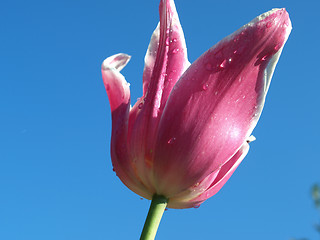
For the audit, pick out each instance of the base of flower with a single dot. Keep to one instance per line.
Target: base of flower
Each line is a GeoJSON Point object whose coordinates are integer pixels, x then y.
{"type": "Point", "coordinates": [157, 207]}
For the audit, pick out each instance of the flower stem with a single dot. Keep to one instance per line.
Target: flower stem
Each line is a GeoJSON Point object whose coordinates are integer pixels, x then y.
{"type": "Point", "coordinates": [157, 207]}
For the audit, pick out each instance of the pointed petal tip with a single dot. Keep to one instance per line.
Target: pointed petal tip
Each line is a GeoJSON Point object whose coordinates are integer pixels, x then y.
{"type": "Point", "coordinates": [117, 61]}
{"type": "Point", "coordinates": [251, 138]}
{"type": "Point", "coordinates": [275, 15]}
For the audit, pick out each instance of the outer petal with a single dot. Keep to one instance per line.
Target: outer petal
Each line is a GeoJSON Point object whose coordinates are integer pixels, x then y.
{"type": "Point", "coordinates": [119, 97]}
{"type": "Point", "coordinates": [216, 181]}
{"type": "Point", "coordinates": [215, 105]}
{"type": "Point", "coordinates": [165, 61]}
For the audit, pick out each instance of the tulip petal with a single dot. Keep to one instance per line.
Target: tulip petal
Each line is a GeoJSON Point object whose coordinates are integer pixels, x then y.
{"type": "Point", "coordinates": [217, 102]}
{"type": "Point", "coordinates": [165, 61]}
{"type": "Point", "coordinates": [211, 184]}
{"type": "Point", "coordinates": [119, 97]}
{"type": "Point", "coordinates": [166, 57]}
{"type": "Point", "coordinates": [224, 174]}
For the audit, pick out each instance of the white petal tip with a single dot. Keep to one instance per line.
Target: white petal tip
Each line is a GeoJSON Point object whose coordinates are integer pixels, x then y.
{"type": "Point", "coordinates": [117, 61]}
{"type": "Point", "coordinates": [251, 139]}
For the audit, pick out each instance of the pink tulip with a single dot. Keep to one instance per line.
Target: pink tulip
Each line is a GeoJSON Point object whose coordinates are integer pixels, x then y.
{"type": "Point", "coordinates": [189, 131]}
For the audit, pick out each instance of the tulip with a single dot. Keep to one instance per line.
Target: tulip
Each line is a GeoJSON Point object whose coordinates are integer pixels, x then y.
{"type": "Point", "coordinates": [186, 135]}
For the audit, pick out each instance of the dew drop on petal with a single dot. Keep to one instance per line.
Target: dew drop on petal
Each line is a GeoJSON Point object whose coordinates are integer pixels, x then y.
{"type": "Point", "coordinates": [205, 86]}
{"type": "Point", "coordinates": [176, 50]}
{"type": "Point", "coordinates": [264, 58]}
{"type": "Point", "coordinates": [197, 206]}
{"type": "Point", "coordinates": [140, 105]}
{"type": "Point", "coordinates": [167, 41]}
{"type": "Point", "coordinates": [277, 47]}
{"type": "Point", "coordinates": [286, 23]}
{"type": "Point", "coordinates": [216, 93]}
{"type": "Point", "coordinates": [269, 24]}
{"type": "Point", "coordinates": [223, 64]}
{"type": "Point", "coordinates": [171, 140]}
{"type": "Point", "coordinates": [174, 40]}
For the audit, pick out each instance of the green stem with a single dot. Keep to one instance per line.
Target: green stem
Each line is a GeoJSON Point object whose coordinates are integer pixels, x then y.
{"type": "Point", "coordinates": [157, 207]}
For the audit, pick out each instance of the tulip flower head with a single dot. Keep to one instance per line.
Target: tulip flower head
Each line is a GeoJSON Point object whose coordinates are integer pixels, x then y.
{"type": "Point", "coordinates": [191, 128]}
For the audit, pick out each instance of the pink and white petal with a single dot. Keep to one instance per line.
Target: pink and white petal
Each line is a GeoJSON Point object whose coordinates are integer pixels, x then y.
{"type": "Point", "coordinates": [166, 57]}
{"type": "Point", "coordinates": [183, 205]}
{"type": "Point", "coordinates": [195, 190]}
{"type": "Point", "coordinates": [215, 105]}
{"type": "Point", "coordinates": [119, 98]}
{"type": "Point", "coordinates": [150, 58]}
{"type": "Point", "coordinates": [166, 60]}
{"type": "Point", "coordinates": [225, 173]}
{"type": "Point", "coordinates": [211, 184]}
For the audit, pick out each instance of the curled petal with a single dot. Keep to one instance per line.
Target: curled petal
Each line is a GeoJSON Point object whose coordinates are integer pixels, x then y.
{"type": "Point", "coordinates": [211, 184]}
{"type": "Point", "coordinates": [224, 174]}
{"type": "Point", "coordinates": [216, 104]}
{"type": "Point", "coordinates": [119, 97]}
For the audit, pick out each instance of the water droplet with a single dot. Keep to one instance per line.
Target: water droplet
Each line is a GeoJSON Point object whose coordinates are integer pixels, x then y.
{"type": "Point", "coordinates": [286, 23]}
{"type": "Point", "coordinates": [205, 86]}
{"type": "Point", "coordinates": [168, 30]}
{"type": "Point", "coordinates": [197, 206]}
{"type": "Point", "coordinates": [175, 50]}
{"type": "Point", "coordinates": [174, 40]}
{"type": "Point", "coordinates": [167, 41]}
{"type": "Point", "coordinates": [229, 60]}
{"type": "Point", "coordinates": [223, 64]}
{"type": "Point", "coordinates": [277, 47]}
{"type": "Point", "coordinates": [141, 198]}
{"type": "Point", "coordinates": [244, 97]}
{"type": "Point", "coordinates": [264, 58]}
{"type": "Point", "coordinates": [216, 93]}
{"type": "Point", "coordinates": [171, 140]}
{"type": "Point", "coordinates": [269, 24]}
{"type": "Point", "coordinates": [235, 51]}
{"type": "Point", "coordinates": [240, 79]}
{"type": "Point", "coordinates": [209, 66]}
{"type": "Point", "coordinates": [107, 87]}
{"type": "Point", "coordinates": [140, 105]}
{"type": "Point", "coordinates": [113, 169]}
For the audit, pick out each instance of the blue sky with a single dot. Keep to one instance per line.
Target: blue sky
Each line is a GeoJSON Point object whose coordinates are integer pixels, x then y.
{"type": "Point", "coordinates": [56, 178]}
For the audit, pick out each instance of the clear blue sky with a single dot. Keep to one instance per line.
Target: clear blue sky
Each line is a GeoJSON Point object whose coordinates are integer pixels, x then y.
{"type": "Point", "coordinates": [56, 178]}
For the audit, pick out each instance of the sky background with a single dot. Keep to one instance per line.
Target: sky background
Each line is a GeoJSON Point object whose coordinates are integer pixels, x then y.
{"type": "Point", "coordinates": [56, 178]}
